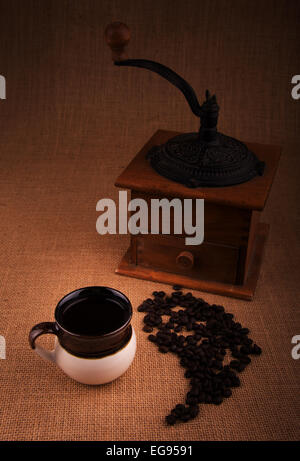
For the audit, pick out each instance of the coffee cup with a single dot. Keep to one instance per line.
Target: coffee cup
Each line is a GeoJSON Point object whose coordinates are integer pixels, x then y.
{"type": "Point", "coordinates": [95, 342]}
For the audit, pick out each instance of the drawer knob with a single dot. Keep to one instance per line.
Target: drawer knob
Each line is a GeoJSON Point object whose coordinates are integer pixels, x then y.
{"type": "Point", "coordinates": [185, 260]}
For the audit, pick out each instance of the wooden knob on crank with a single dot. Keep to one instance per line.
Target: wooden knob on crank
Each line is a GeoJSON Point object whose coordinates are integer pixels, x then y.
{"type": "Point", "coordinates": [117, 36]}
{"type": "Point", "coordinates": [185, 260]}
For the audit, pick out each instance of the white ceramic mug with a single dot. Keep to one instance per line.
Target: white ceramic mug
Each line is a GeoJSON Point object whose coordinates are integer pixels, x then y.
{"type": "Point", "coordinates": [93, 357]}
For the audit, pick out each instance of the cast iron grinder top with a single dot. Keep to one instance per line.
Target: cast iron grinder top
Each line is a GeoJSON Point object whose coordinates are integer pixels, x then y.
{"type": "Point", "coordinates": [204, 159]}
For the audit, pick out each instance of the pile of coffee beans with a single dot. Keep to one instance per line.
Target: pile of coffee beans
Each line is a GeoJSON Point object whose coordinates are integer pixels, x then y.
{"type": "Point", "coordinates": [201, 335]}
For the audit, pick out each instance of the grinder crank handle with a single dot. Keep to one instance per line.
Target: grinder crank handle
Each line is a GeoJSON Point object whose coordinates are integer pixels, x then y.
{"type": "Point", "coordinates": [117, 36]}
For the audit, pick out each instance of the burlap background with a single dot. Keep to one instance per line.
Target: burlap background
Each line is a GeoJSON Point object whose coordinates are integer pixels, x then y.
{"type": "Point", "coordinates": [70, 124]}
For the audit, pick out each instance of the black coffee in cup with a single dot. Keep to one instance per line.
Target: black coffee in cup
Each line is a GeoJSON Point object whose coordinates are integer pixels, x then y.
{"type": "Point", "coordinates": [93, 316]}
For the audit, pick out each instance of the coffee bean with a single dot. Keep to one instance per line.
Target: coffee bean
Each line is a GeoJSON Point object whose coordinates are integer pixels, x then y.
{"type": "Point", "coordinates": [176, 287]}
{"type": "Point", "coordinates": [227, 392]}
{"type": "Point", "coordinates": [147, 329]}
{"type": "Point", "coordinates": [180, 407]}
{"type": "Point", "coordinates": [194, 391]}
{"type": "Point", "coordinates": [220, 356]}
{"type": "Point", "coordinates": [163, 349]}
{"type": "Point", "coordinates": [171, 420]}
{"type": "Point", "coordinates": [191, 400]}
{"type": "Point", "coordinates": [217, 400]}
{"type": "Point", "coordinates": [245, 350]}
{"type": "Point", "coordinates": [241, 367]}
{"type": "Point", "coordinates": [142, 307]}
{"type": "Point", "coordinates": [208, 398]}
{"type": "Point", "coordinates": [236, 355]}
{"type": "Point", "coordinates": [235, 381]}
{"type": "Point", "coordinates": [194, 411]}
{"type": "Point", "coordinates": [152, 338]}
{"type": "Point", "coordinates": [247, 341]}
{"type": "Point", "coordinates": [255, 349]}
{"type": "Point", "coordinates": [245, 359]}
{"type": "Point", "coordinates": [234, 364]}
{"type": "Point", "coordinates": [218, 365]}
{"type": "Point", "coordinates": [214, 335]}
{"type": "Point", "coordinates": [148, 319]}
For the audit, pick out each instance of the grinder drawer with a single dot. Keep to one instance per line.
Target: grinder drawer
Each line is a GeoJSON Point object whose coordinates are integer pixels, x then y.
{"type": "Point", "coordinates": [208, 261]}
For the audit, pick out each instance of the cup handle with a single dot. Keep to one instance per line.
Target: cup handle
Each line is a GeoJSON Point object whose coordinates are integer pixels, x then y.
{"type": "Point", "coordinates": [42, 329]}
